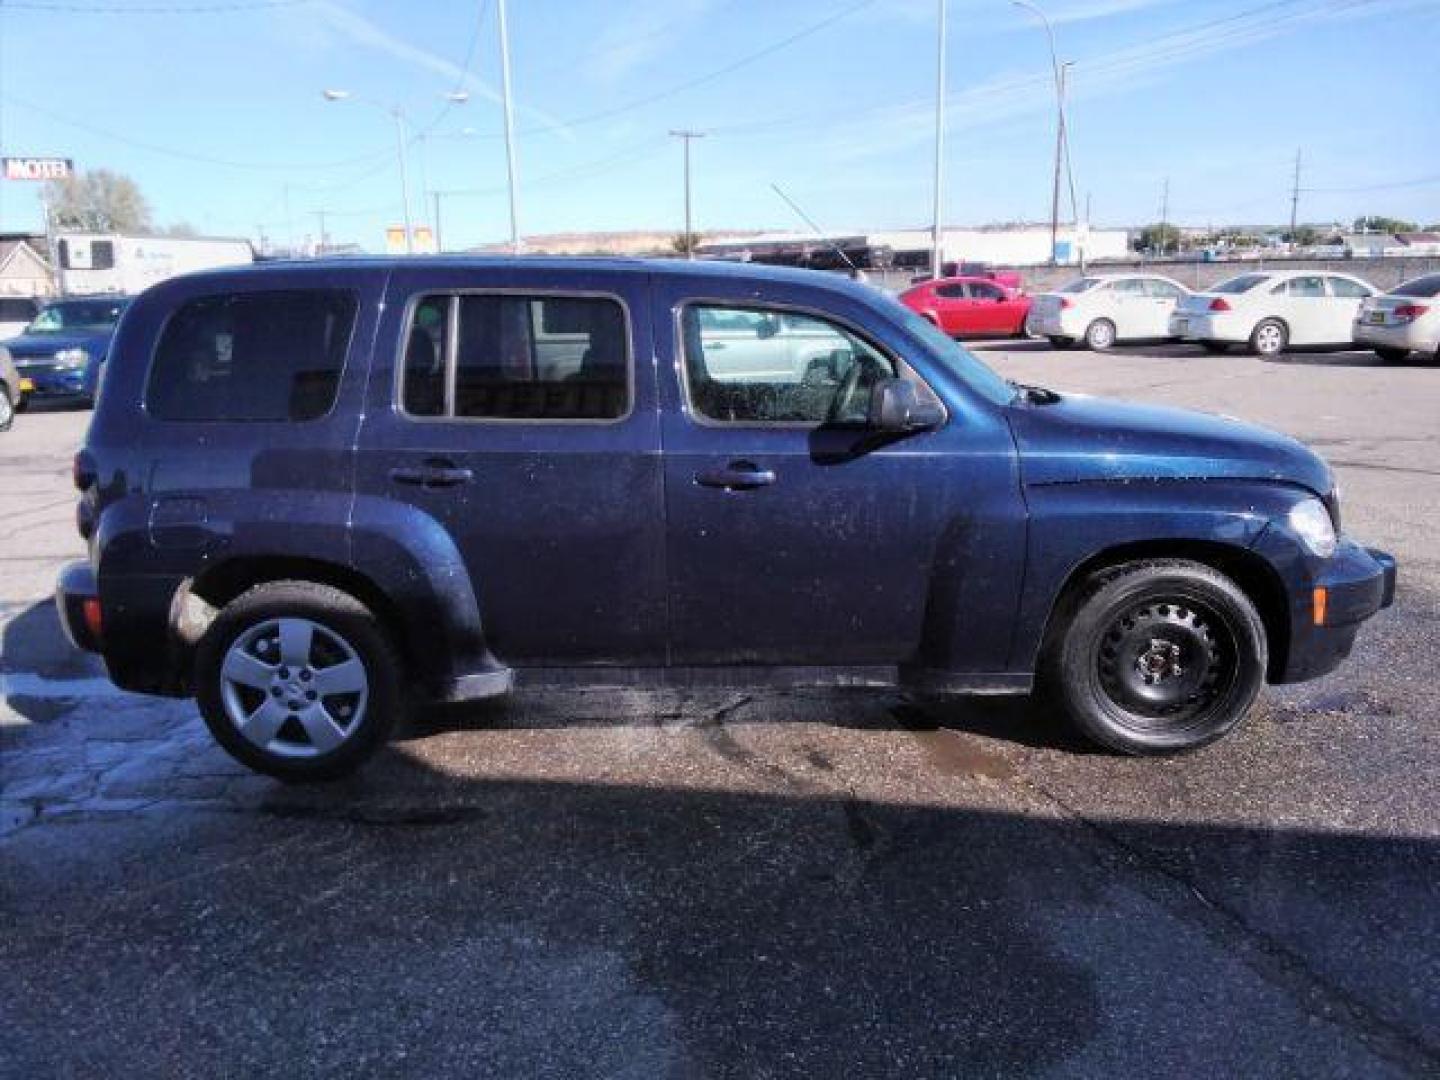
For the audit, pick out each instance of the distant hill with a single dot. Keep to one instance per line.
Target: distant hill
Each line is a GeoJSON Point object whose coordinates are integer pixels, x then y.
{"type": "Point", "coordinates": [633, 242]}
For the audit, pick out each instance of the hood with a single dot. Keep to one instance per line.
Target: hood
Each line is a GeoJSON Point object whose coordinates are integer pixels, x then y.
{"type": "Point", "coordinates": [1077, 439]}
{"type": "Point", "coordinates": [44, 346]}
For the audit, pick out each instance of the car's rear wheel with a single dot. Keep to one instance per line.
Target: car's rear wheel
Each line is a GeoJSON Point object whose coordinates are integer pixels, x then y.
{"type": "Point", "coordinates": [1390, 355]}
{"type": "Point", "coordinates": [1057, 342]}
{"type": "Point", "coordinates": [1215, 347]}
{"type": "Point", "coordinates": [1100, 335]}
{"type": "Point", "coordinates": [298, 680]}
{"type": "Point", "coordinates": [7, 409]}
{"type": "Point", "coordinates": [1269, 338]}
{"type": "Point", "coordinates": [1156, 657]}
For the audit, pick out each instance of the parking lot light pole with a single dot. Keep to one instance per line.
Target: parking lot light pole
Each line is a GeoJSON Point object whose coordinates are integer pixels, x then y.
{"type": "Point", "coordinates": [399, 116]}
{"type": "Point", "coordinates": [1059, 124]}
{"type": "Point", "coordinates": [511, 167]}
{"type": "Point", "coordinates": [937, 240]}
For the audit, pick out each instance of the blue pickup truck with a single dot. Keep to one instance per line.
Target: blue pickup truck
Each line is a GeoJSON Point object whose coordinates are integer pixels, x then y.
{"type": "Point", "coordinates": [317, 493]}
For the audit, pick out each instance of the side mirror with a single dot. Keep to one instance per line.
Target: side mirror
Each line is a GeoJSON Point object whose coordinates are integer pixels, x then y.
{"type": "Point", "coordinates": [896, 406]}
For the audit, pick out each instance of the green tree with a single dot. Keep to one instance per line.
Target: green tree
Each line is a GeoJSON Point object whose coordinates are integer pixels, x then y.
{"type": "Point", "coordinates": [1161, 238]}
{"type": "Point", "coordinates": [1378, 224]}
{"type": "Point", "coordinates": [686, 243]}
{"type": "Point", "coordinates": [98, 201]}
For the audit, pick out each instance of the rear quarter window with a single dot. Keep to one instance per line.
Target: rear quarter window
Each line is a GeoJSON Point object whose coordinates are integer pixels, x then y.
{"type": "Point", "coordinates": [1243, 283]}
{"type": "Point", "coordinates": [1421, 286]}
{"type": "Point", "coordinates": [251, 356]}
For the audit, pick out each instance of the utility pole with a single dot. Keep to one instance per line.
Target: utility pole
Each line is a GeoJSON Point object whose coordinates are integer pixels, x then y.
{"type": "Point", "coordinates": [320, 244]}
{"type": "Point", "coordinates": [439, 247]}
{"type": "Point", "coordinates": [688, 137]}
{"type": "Point", "coordinates": [937, 240]}
{"type": "Point", "coordinates": [1295, 200]}
{"type": "Point", "coordinates": [1164, 213]}
{"type": "Point", "coordinates": [1059, 74]}
{"type": "Point", "coordinates": [510, 165]}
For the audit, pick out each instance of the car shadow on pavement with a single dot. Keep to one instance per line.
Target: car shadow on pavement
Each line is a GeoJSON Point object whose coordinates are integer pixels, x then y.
{"type": "Point", "coordinates": [423, 922]}
{"type": "Point", "coordinates": [37, 661]}
{"type": "Point", "coordinates": [1346, 358]}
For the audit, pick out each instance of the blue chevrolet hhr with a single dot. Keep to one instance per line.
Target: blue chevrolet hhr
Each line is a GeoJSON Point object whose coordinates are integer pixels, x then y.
{"type": "Point", "coordinates": [315, 493]}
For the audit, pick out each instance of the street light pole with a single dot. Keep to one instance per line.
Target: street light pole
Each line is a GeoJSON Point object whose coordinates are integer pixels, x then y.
{"type": "Point", "coordinates": [399, 117]}
{"type": "Point", "coordinates": [1059, 124]}
{"type": "Point", "coordinates": [510, 165]}
{"type": "Point", "coordinates": [688, 136]}
{"type": "Point", "coordinates": [937, 239]}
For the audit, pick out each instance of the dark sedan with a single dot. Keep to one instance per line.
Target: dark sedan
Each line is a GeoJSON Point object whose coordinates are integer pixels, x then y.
{"type": "Point", "coordinates": [60, 355]}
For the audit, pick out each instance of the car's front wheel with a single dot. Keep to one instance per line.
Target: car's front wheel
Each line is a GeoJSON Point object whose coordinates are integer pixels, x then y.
{"type": "Point", "coordinates": [1156, 657]}
{"type": "Point", "coordinates": [298, 680]}
{"type": "Point", "coordinates": [1269, 338]}
{"type": "Point", "coordinates": [7, 409]}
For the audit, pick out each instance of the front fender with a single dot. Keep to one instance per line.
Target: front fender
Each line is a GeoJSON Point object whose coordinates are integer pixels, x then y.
{"type": "Point", "coordinates": [1072, 525]}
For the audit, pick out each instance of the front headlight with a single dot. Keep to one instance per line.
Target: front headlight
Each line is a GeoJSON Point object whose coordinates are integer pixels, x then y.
{"type": "Point", "coordinates": [72, 358]}
{"type": "Point", "coordinates": [1310, 521]}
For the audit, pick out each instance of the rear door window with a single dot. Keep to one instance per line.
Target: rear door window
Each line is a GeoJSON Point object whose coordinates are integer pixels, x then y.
{"type": "Point", "coordinates": [1243, 283]}
{"type": "Point", "coordinates": [1347, 289]}
{"type": "Point", "coordinates": [494, 356]}
{"type": "Point", "coordinates": [273, 356]}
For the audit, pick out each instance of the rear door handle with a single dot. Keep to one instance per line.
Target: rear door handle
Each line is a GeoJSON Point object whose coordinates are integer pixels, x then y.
{"type": "Point", "coordinates": [737, 476]}
{"type": "Point", "coordinates": [432, 475]}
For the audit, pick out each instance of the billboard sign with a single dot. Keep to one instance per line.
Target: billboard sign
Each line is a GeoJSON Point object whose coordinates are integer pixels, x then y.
{"type": "Point", "coordinates": [38, 168]}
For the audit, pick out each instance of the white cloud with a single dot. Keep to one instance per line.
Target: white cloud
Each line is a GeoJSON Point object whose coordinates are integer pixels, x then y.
{"type": "Point", "coordinates": [362, 31]}
{"type": "Point", "coordinates": [630, 40]}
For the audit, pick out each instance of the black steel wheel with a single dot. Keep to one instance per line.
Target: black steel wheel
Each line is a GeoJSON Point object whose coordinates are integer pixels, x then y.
{"type": "Point", "coordinates": [1157, 656]}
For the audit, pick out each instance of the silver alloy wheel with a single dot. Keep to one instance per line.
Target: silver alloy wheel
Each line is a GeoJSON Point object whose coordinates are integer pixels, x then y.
{"type": "Point", "coordinates": [1101, 334]}
{"type": "Point", "coordinates": [294, 687]}
{"type": "Point", "coordinates": [7, 410]}
{"type": "Point", "coordinates": [1269, 339]}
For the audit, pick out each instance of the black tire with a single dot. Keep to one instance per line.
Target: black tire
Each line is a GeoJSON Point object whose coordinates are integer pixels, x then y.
{"type": "Point", "coordinates": [1269, 338]}
{"type": "Point", "coordinates": [1215, 347]}
{"type": "Point", "coordinates": [336, 617]}
{"type": "Point", "coordinates": [1061, 342]}
{"type": "Point", "coordinates": [23, 405]}
{"type": "Point", "coordinates": [1389, 355]}
{"type": "Point", "coordinates": [1100, 335]}
{"type": "Point", "coordinates": [1156, 657]}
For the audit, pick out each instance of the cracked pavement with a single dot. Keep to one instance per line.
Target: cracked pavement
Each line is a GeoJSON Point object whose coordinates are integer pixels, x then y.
{"type": "Point", "coordinates": [613, 883]}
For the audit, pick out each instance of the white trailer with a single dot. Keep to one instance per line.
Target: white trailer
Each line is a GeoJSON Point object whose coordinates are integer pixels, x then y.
{"type": "Point", "coordinates": [91, 263]}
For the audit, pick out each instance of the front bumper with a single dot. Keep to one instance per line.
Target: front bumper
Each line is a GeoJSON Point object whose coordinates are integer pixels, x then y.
{"type": "Point", "coordinates": [46, 383]}
{"type": "Point", "coordinates": [1358, 582]}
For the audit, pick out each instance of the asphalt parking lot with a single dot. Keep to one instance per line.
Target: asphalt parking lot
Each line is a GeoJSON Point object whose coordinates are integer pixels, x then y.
{"type": "Point", "coordinates": [713, 884]}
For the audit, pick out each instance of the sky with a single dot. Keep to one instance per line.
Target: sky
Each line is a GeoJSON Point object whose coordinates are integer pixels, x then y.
{"type": "Point", "coordinates": [215, 108]}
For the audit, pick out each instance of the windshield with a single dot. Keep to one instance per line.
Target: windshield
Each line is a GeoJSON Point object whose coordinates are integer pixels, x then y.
{"type": "Point", "coordinates": [1429, 285]}
{"type": "Point", "coordinates": [77, 315]}
{"type": "Point", "coordinates": [1079, 285]}
{"type": "Point", "coordinates": [1243, 283]}
{"type": "Point", "coordinates": [950, 353]}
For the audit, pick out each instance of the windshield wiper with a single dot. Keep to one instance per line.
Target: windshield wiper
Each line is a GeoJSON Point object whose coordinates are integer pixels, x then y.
{"type": "Point", "coordinates": [1035, 395]}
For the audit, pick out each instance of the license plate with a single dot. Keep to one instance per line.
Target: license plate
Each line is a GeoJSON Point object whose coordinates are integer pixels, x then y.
{"type": "Point", "coordinates": [27, 386]}
{"type": "Point", "coordinates": [1377, 317]}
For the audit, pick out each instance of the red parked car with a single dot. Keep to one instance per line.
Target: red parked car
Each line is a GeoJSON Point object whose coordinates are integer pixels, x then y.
{"type": "Point", "coordinates": [970, 306]}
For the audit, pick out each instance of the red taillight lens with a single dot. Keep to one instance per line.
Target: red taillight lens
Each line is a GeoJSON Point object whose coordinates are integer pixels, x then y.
{"type": "Point", "coordinates": [1219, 304]}
{"type": "Point", "coordinates": [1066, 302]}
{"type": "Point", "coordinates": [94, 621]}
{"type": "Point", "coordinates": [1409, 312]}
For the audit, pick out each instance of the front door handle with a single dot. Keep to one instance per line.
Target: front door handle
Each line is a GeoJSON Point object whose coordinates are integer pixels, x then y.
{"type": "Point", "coordinates": [737, 476]}
{"type": "Point", "coordinates": [432, 474]}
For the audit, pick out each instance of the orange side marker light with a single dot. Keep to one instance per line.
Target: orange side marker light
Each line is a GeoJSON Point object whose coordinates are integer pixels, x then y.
{"type": "Point", "coordinates": [1320, 601]}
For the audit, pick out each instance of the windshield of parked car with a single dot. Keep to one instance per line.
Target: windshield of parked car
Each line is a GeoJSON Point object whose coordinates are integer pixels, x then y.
{"type": "Point", "coordinates": [76, 315]}
{"type": "Point", "coordinates": [1080, 285]}
{"type": "Point", "coordinates": [1243, 283]}
{"type": "Point", "coordinates": [1429, 285]}
{"type": "Point", "coordinates": [949, 352]}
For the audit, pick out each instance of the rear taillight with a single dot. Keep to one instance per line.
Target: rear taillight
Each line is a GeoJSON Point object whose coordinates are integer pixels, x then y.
{"type": "Point", "coordinates": [1219, 304]}
{"type": "Point", "coordinates": [82, 471]}
{"type": "Point", "coordinates": [1409, 312]}
{"type": "Point", "coordinates": [1066, 303]}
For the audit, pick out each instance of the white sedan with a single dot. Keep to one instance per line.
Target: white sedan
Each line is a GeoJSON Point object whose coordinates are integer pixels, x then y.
{"type": "Point", "coordinates": [1405, 320]}
{"type": "Point", "coordinates": [1269, 312]}
{"type": "Point", "coordinates": [1105, 308]}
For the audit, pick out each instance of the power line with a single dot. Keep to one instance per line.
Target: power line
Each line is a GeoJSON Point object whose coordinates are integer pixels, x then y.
{"type": "Point", "coordinates": [221, 7]}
